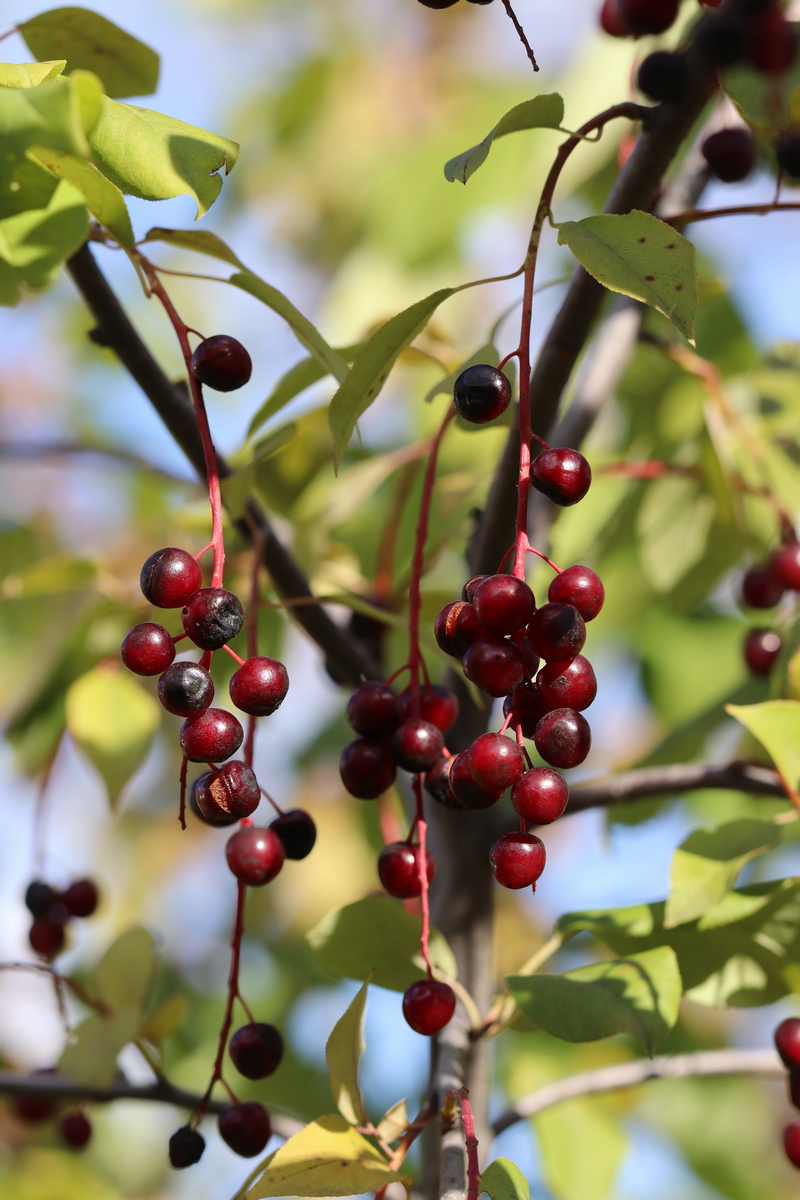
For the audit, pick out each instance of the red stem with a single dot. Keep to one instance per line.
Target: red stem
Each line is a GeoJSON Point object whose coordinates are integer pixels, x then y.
{"type": "Point", "coordinates": [233, 996]}
{"type": "Point", "coordinates": [422, 868]}
{"type": "Point", "coordinates": [234, 655]}
{"type": "Point", "coordinates": [473, 1168]}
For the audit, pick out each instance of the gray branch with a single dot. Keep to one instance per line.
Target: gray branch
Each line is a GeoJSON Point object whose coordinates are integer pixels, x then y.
{"type": "Point", "coordinates": [675, 777]}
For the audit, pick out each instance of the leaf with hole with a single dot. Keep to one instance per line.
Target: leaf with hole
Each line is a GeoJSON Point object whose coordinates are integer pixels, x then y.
{"type": "Point", "coordinates": [707, 864]}
{"type": "Point", "coordinates": [91, 42]}
{"type": "Point", "coordinates": [542, 112]}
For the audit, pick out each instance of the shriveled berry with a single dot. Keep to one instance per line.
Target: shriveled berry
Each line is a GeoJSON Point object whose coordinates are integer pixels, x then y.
{"type": "Point", "coordinates": [471, 586]}
{"type": "Point", "coordinates": [38, 898]}
{"type": "Point", "coordinates": [791, 1143]}
{"type": "Point", "coordinates": [185, 689]}
{"type": "Point", "coordinates": [374, 710]}
{"type": "Point", "coordinates": [786, 564]}
{"type": "Point", "coordinates": [787, 152]}
{"type": "Point", "coordinates": [254, 855]}
{"type": "Point", "coordinates": [428, 1006]}
{"type": "Point", "coordinates": [148, 649]}
{"type": "Point", "coordinates": [437, 783]}
{"type": "Point", "coordinates": [663, 76]}
{"type": "Point", "coordinates": [517, 859]}
{"type": "Point", "coordinates": [436, 704]}
{"type": "Point", "coordinates": [562, 474]}
{"type": "Point", "coordinates": [81, 898]}
{"type": "Point", "coordinates": [298, 832]}
{"type": "Point", "coordinates": [416, 745]}
{"type": "Point", "coordinates": [730, 153]}
{"type": "Point", "coordinates": [787, 1041]}
{"type": "Point", "coordinates": [367, 768]}
{"type": "Point", "coordinates": [213, 617]}
{"type": "Point", "coordinates": [398, 869]}
{"type": "Point", "coordinates": [217, 817]}
{"type": "Point", "coordinates": [580, 587]}
{"type": "Point", "coordinates": [481, 394]}
{"type": "Point", "coordinates": [186, 1147]}
{"type": "Point", "coordinates": [495, 761]}
{"type": "Point", "coordinates": [75, 1129]}
{"type": "Point", "coordinates": [46, 937]}
{"type": "Point", "coordinates": [504, 604]}
{"type": "Point", "coordinates": [221, 363]}
{"type": "Point", "coordinates": [527, 706]}
{"type": "Point", "coordinates": [563, 738]}
{"type": "Point", "coordinates": [611, 22]}
{"type": "Point", "coordinates": [245, 1128]}
{"type": "Point", "coordinates": [762, 586]}
{"type": "Point", "coordinates": [647, 16]}
{"type": "Point", "coordinates": [212, 737]}
{"type": "Point", "coordinates": [494, 665]}
{"type": "Point", "coordinates": [540, 795]}
{"type": "Point", "coordinates": [232, 791]}
{"type": "Point", "coordinates": [570, 684]}
{"type": "Point", "coordinates": [557, 631]}
{"type": "Point", "coordinates": [256, 1050]}
{"type": "Point", "coordinates": [761, 649]}
{"type": "Point", "coordinates": [464, 787]}
{"type": "Point", "coordinates": [260, 685]}
{"type": "Point", "coordinates": [169, 577]}
{"type": "Point", "coordinates": [457, 627]}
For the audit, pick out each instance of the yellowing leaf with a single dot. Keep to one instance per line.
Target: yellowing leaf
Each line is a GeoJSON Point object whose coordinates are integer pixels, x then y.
{"type": "Point", "coordinates": [776, 724]}
{"type": "Point", "coordinates": [394, 1122]}
{"type": "Point", "coordinates": [113, 721]}
{"type": "Point", "coordinates": [124, 976]}
{"type": "Point", "coordinates": [86, 40]}
{"type": "Point", "coordinates": [542, 112]}
{"type": "Point", "coordinates": [342, 1053]}
{"type": "Point", "coordinates": [91, 1056]}
{"type": "Point", "coordinates": [167, 1018]}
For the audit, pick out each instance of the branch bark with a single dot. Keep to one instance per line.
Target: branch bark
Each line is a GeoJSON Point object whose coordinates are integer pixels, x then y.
{"type": "Point", "coordinates": [675, 777]}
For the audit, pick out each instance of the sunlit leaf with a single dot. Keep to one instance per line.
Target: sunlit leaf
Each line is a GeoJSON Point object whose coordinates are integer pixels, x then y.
{"type": "Point", "coordinates": [542, 112]}
{"type": "Point", "coordinates": [342, 1054]}
{"type": "Point", "coordinates": [26, 75]}
{"type": "Point", "coordinates": [590, 1174]}
{"type": "Point", "coordinates": [503, 1180]}
{"type": "Point", "coordinates": [776, 724]}
{"type": "Point", "coordinates": [202, 241]}
{"type": "Point", "coordinates": [394, 1122]}
{"type": "Point", "coordinates": [707, 864]}
{"type": "Point", "coordinates": [297, 379]}
{"type": "Point", "coordinates": [34, 244]}
{"type": "Point", "coordinates": [104, 201]}
{"type": "Point", "coordinates": [166, 1020]}
{"type": "Point", "coordinates": [89, 41]}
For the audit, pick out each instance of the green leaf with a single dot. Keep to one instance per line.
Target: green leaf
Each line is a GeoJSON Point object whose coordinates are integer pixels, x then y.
{"type": "Point", "coordinates": [372, 367]}
{"type": "Point", "coordinates": [34, 244]}
{"type": "Point", "coordinates": [124, 976]}
{"type": "Point", "coordinates": [638, 995]}
{"type": "Point", "coordinates": [113, 721]}
{"type": "Point", "coordinates": [776, 724]}
{"type": "Point", "coordinates": [503, 1180]}
{"type": "Point", "coordinates": [342, 1054]}
{"type": "Point", "coordinates": [376, 935]}
{"type": "Point", "coordinates": [673, 524]}
{"type": "Point", "coordinates": [590, 1174]}
{"type": "Point", "coordinates": [166, 1020]}
{"type": "Point", "coordinates": [237, 487]}
{"type": "Point", "coordinates": [155, 157]}
{"type": "Point", "coordinates": [706, 866]}
{"type": "Point", "coordinates": [202, 241]}
{"type": "Point", "coordinates": [86, 40]}
{"type": "Point", "coordinates": [542, 112]}
{"type": "Point", "coordinates": [90, 1058]}
{"type": "Point", "coordinates": [297, 379]}
{"type": "Point", "coordinates": [327, 1158]}
{"type": "Point", "coordinates": [26, 75]}
{"type": "Point", "coordinates": [47, 115]}
{"type": "Point", "coordinates": [760, 99]}
{"type": "Point", "coordinates": [394, 1122]}
{"type": "Point", "coordinates": [104, 201]}
{"type": "Point", "coordinates": [49, 576]}
{"type": "Point", "coordinates": [639, 256]}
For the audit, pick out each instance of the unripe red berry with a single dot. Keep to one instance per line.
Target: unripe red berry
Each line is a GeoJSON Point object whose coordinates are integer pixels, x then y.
{"type": "Point", "coordinates": [517, 859]}
{"type": "Point", "coordinates": [791, 1143]}
{"type": "Point", "coordinates": [147, 649]}
{"type": "Point", "coordinates": [367, 769]}
{"type": "Point", "coordinates": [81, 898]}
{"type": "Point", "coordinates": [562, 474]}
{"type": "Point", "coordinates": [185, 689]}
{"type": "Point", "coordinates": [230, 792]}
{"type": "Point", "coordinates": [494, 665]}
{"type": "Point", "coordinates": [437, 783]}
{"type": "Point", "coordinates": [481, 394]}
{"type": "Point", "coordinates": [611, 22]}
{"type": "Point", "coordinates": [297, 831]}
{"type": "Point", "coordinates": [762, 586]}
{"type": "Point", "coordinates": [540, 795]}
{"type": "Point", "coordinates": [416, 745]}
{"type": "Point", "coordinates": [436, 704]}
{"type": "Point", "coordinates": [557, 632]}
{"type": "Point", "coordinates": [260, 685]}
{"type": "Point", "coordinates": [580, 587]}
{"type": "Point", "coordinates": [245, 1128]}
{"type": "Point", "coordinates": [787, 1042]}
{"type": "Point", "coordinates": [212, 737]}
{"type": "Point", "coordinates": [495, 761]}
{"type": "Point", "coordinates": [527, 707]}
{"type": "Point", "coordinates": [563, 738]}
{"type": "Point", "coordinates": [464, 787]}
{"type": "Point", "coordinates": [730, 153]}
{"type": "Point", "coordinates": [570, 684]}
{"type": "Point", "coordinates": [186, 1147]}
{"type": "Point", "coordinates": [786, 564]}
{"type": "Point", "coordinates": [169, 577]}
{"type": "Point", "coordinates": [761, 649]}
{"type": "Point", "coordinates": [428, 1006]}
{"type": "Point", "coordinates": [254, 855]}
{"type": "Point", "coordinates": [374, 710]}
{"type": "Point", "coordinates": [75, 1129]}
{"type": "Point", "coordinates": [647, 16]}
{"type": "Point", "coordinates": [504, 604]}
{"type": "Point", "coordinates": [213, 617]}
{"type": "Point", "coordinates": [256, 1050]}
{"type": "Point", "coordinates": [46, 937]}
{"type": "Point", "coordinates": [221, 363]}
{"type": "Point", "coordinates": [398, 869]}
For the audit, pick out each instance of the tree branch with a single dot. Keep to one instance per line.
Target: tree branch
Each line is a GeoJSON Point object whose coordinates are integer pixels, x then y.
{"type": "Point", "coordinates": [624, 1075]}
{"type": "Point", "coordinates": [675, 777]}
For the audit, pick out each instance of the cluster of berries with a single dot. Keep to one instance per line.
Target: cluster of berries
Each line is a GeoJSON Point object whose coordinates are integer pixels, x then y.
{"type": "Point", "coordinates": [763, 586]}
{"type": "Point", "coordinates": [74, 1126]}
{"type": "Point", "coordinates": [51, 911]}
{"type": "Point", "coordinates": [787, 1043]}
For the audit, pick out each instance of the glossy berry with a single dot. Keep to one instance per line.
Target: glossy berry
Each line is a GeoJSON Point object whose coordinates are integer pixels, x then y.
{"type": "Point", "coordinates": [148, 649]}
{"type": "Point", "coordinates": [495, 762]}
{"type": "Point", "coordinates": [297, 831]}
{"type": "Point", "coordinates": [428, 1006]}
{"type": "Point", "coordinates": [787, 153]}
{"type": "Point", "coordinates": [232, 791]}
{"type": "Point", "coordinates": [570, 684]}
{"type": "Point", "coordinates": [786, 564]}
{"type": "Point", "coordinates": [494, 665]}
{"type": "Point", "coordinates": [647, 16]}
{"type": "Point", "coordinates": [255, 856]}
{"type": "Point", "coordinates": [761, 649]}
{"type": "Point", "coordinates": [771, 43]}
{"type": "Point", "coordinates": [791, 1143]}
{"type": "Point", "coordinates": [75, 1129]}
{"type": "Point", "coordinates": [186, 1147]}
{"type": "Point", "coordinates": [504, 604]}
{"type": "Point", "coordinates": [245, 1128]}
{"type": "Point", "coordinates": [398, 869]}
{"type": "Point", "coordinates": [367, 768]}
{"type": "Point", "coordinates": [762, 587]}
{"type": "Point", "coordinates": [256, 1050]}
{"type": "Point", "coordinates": [471, 586]}
{"type": "Point", "coordinates": [457, 627]}
{"type": "Point", "coordinates": [170, 577]}
{"type": "Point", "coordinates": [210, 814]}
{"type": "Point", "coordinates": [185, 689]}
{"type": "Point", "coordinates": [580, 587]}
{"type": "Point", "coordinates": [517, 859]}
{"type": "Point", "coordinates": [528, 708]}
{"type": "Point", "coordinates": [221, 363]}
{"type": "Point", "coordinates": [466, 790]}
{"type": "Point", "coordinates": [38, 898]}
{"type": "Point", "coordinates": [557, 631]}
{"type": "Point", "coordinates": [374, 710]}
{"type": "Point", "coordinates": [81, 898]}
{"type": "Point", "coordinates": [562, 474]}
{"type": "Point", "coordinates": [260, 685]}
{"type": "Point", "coordinates": [416, 745]}
{"type": "Point", "coordinates": [481, 393]}
{"type": "Point", "coordinates": [437, 783]}
{"type": "Point", "coordinates": [787, 1041]}
{"type": "Point", "coordinates": [46, 937]}
{"type": "Point", "coordinates": [611, 22]}
{"type": "Point", "coordinates": [212, 737]}
{"type": "Point", "coordinates": [213, 617]}
{"type": "Point", "coordinates": [436, 704]}
{"type": "Point", "coordinates": [730, 153]}
{"type": "Point", "coordinates": [563, 738]}
{"type": "Point", "coordinates": [540, 795]}
{"type": "Point", "coordinates": [663, 76]}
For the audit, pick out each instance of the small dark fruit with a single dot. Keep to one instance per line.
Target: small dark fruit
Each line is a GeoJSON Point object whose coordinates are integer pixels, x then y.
{"type": "Point", "coordinates": [730, 153]}
{"type": "Point", "coordinates": [563, 738]}
{"type": "Point", "coordinates": [471, 586]}
{"type": "Point", "coordinates": [297, 831]}
{"type": "Point", "coordinates": [38, 897]}
{"type": "Point", "coordinates": [527, 707]}
{"type": "Point", "coordinates": [663, 76]}
{"type": "Point", "coordinates": [216, 817]}
{"type": "Point", "coordinates": [170, 577]}
{"type": "Point", "coordinates": [457, 627]}
{"type": "Point", "coordinates": [260, 685]}
{"type": "Point", "coordinates": [438, 3]}
{"type": "Point", "coordinates": [611, 22]}
{"type": "Point", "coordinates": [367, 769]}
{"type": "Point", "coordinates": [562, 474]}
{"type": "Point", "coordinates": [221, 363]}
{"type": "Point", "coordinates": [761, 649]}
{"type": "Point", "coordinates": [787, 1042]}
{"type": "Point", "coordinates": [185, 689]}
{"type": "Point", "coordinates": [416, 745]}
{"type": "Point", "coordinates": [256, 1050]}
{"type": "Point", "coordinates": [517, 859]}
{"type": "Point", "coordinates": [437, 783]}
{"type": "Point", "coordinates": [786, 564]}
{"type": "Point", "coordinates": [721, 39]}
{"type": "Point", "coordinates": [186, 1147]}
{"type": "Point", "coordinates": [245, 1128]}
{"type": "Point", "coordinates": [374, 710]}
{"type": "Point", "coordinates": [557, 632]}
{"type": "Point", "coordinates": [647, 16]}
{"type": "Point", "coordinates": [481, 394]}
{"type": "Point", "coordinates": [495, 762]}
{"type": "Point", "coordinates": [771, 43]}
{"type": "Point", "coordinates": [428, 1006]}
{"type": "Point", "coordinates": [228, 794]}
{"type": "Point", "coordinates": [791, 1143]}
{"type": "Point", "coordinates": [464, 787]}
{"type": "Point", "coordinates": [81, 898]}
{"type": "Point", "coordinates": [787, 153]}
{"type": "Point", "coordinates": [580, 587]}
{"type": "Point", "coordinates": [75, 1129]}
{"type": "Point", "coordinates": [213, 617]}
{"type": "Point", "coordinates": [494, 665]}
{"type": "Point", "coordinates": [147, 649]}
{"type": "Point", "coordinates": [570, 684]}
{"type": "Point", "coordinates": [398, 869]}
{"type": "Point", "coordinates": [540, 795]}
{"type": "Point", "coordinates": [46, 937]}
{"type": "Point", "coordinates": [504, 604]}
{"type": "Point", "coordinates": [762, 586]}
{"type": "Point", "coordinates": [32, 1108]}
{"type": "Point", "coordinates": [212, 737]}
{"type": "Point", "coordinates": [436, 704]}
{"type": "Point", "coordinates": [255, 856]}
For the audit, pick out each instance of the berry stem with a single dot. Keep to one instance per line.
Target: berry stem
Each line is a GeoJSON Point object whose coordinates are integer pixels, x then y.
{"type": "Point", "coordinates": [233, 996]}
{"type": "Point", "coordinates": [473, 1169]}
{"type": "Point", "coordinates": [521, 34]}
{"type": "Point", "coordinates": [252, 634]}
{"type": "Point", "coordinates": [182, 809]}
{"type": "Point", "coordinates": [422, 868]}
{"type": "Point", "coordinates": [274, 803]}
{"type": "Point", "coordinates": [234, 655]}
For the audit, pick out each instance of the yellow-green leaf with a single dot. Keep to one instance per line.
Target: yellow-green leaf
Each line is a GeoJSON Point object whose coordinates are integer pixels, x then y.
{"type": "Point", "coordinates": [299, 377]}
{"type": "Point", "coordinates": [90, 1058]}
{"type": "Point", "coordinates": [167, 1018]}
{"type": "Point", "coordinates": [342, 1054]}
{"type": "Point", "coordinates": [113, 721]}
{"type": "Point", "coordinates": [503, 1180]}
{"type": "Point", "coordinates": [86, 40]}
{"type": "Point", "coordinates": [202, 241]}
{"type": "Point", "coordinates": [394, 1122]}
{"type": "Point", "coordinates": [589, 1174]}
{"type": "Point", "coordinates": [542, 112]}
{"type": "Point", "coordinates": [34, 244]}
{"type": "Point", "coordinates": [776, 724]}
{"type": "Point", "coordinates": [124, 976]}
{"type": "Point", "coordinates": [706, 866]}
{"type": "Point", "coordinates": [104, 201]}
{"type": "Point", "coordinates": [26, 75]}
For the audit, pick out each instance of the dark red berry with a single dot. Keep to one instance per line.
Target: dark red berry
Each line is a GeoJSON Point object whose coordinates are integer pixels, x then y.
{"type": "Point", "coordinates": [494, 665]}
{"type": "Point", "coordinates": [517, 859]}
{"type": "Point", "coordinates": [416, 745]}
{"type": "Point", "coordinates": [260, 685]}
{"type": "Point", "coordinates": [530, 658]}
{"type": "Point", "coordinates": [563, 738]}
{"type": "Point", "coordinates": [664, 77]}
{"type": "Point", "coordinates": [504, 604]}
{"type": "Point", "coordinates": [256, 1050]}
{"type": "Point", "coordinates": [761, 649]}
{"type": "Point", "coordinates": [297, 831]}
{"type": "Point", "coordinates": [647, 16]}
{"type": "Point", "coordinates": [33, 1108]}
{"type": "Point", "coordinates": [481, 393]}
{"type": "Point", "coordinates": [81, 898]}
{"type": "Point", "coordinates": [791, 1143]}
{"type": "Point", "coordinates": [230, 792]}
{"type": "Point", "coordinates": [443, 628]}
{"type": "Point", "coordinates": [186, 689]}
{"type": "Point", "coordinates": [186, 1147]}
{"type": "Point", "coordinates": [436, 704]}
{"type": "Point", "coordinates": [170, 577]}
{"type": "Point", "coordinates": [367, 768]}
{"type": "Point", "coordinates": [787, 152]}
{"type": "Point", "coordinates": [540, 795]}
{"type": "Point", "coordinates": [787, 1041]}
{"type": "Point", "coordinates": [762, 586]}
{"type": "Point", "coordinates": [212, 737]}
{"type": "Point", "coordinates": [611, 22]}
{"type": "Point", "coordinates": [221, 363]}
{"type": "Point", "coordinates": [428, 1006]}
{"type": "Point", "coordinates": [438, 3]}
{"type": "Point", "coordinates": [466, 790]}
{"type": "Point", "coordinates": [527, 706]}
{"type": "Point", "coordinates": [437, 783]}
{"type": "Point", "coordinates": [569, 684]}
{"type": "Point", "coordinates": [786, 564]}
{"type": "Point", "coordinates": [213, 617]}
{"type": "Point", "coordinates": [75, 1129]}
{"type": "Point", "coordinates": [217, 817]}
{"type": "Point", "coordinates": [255, 856]}
{"type": "Point", "coordinates": [557, 632]}
{"type": "Point", "coordinates": [46, 937]}
{"type": "Point", "coordinates": [730, 153]}
{"type": "Point", "coordinates": [562, 474]}
{"type": "Point", "coordinates": [38, 898]}
{"type": "Point", "coordinates": [471, 586]}
{"type": "Point", "coordinates": [374, 710]}
{"type": "Point", "coordinates": [771, 43]}
{"type": "Point", "coordinates": [721, 39]}
{"type": "Point", "coordinates": [245, 1128]}
{"type": "Point", "coordinates": [580, 587]}
{"type": "Point", "coordinates": [495, 761]}
{"type": "Point", "coordinates": [457, 627]}
{"type": "Point", "coordinates": [398, 869]}
{"type": "Point", "coordinates": [148, 649]}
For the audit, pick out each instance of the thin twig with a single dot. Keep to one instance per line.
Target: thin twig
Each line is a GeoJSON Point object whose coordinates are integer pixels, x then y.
{"type": "Point", "coordinates": [676, 777]}
{"type": "Point", "coordinates": [521, 34]}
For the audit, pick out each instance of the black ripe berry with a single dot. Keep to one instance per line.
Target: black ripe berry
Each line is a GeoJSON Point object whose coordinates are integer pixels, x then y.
{"type": "Point", "coordinates": [437, 783]}
{"type": "Point", "coordinates": [186, 1147]}
{"type": "Point", "coordinates": [260, 685]}
{"type": "Point", "coordinates": [481, 394]}
{"type": "Point", "coordinates": [170, 577]}
{"type": "Point", "coordinates": [210, 814]}
{"type": "Point", "coordinates": [256, 1050]}
{"type": "Point", "coordinates": [245, 1128]}
{"type": "Point", "coordinates": [580, 587]}
{"type": "Point", "coordinates": [762, 586]}
{"type": "Point", "coordinates": [255, 856]}
{"type": "Point", "coordinates": [721, 39]}
{"type": "Point", "coordinates": [38, 898]}
{"type": "Point", "coordinates": [730, 153]}
{"type": "Point", "coordinates": [563, 738]}
{"type": "Point", "coordinates": [212, 737]}
{"type": "Point", "coordinates": [367, 769]}
{"type": "Point", "coordinates": [663, 76]}
{"type": "Point", "coordinates": [398, 869]}
{"type": "Point", "coordinates": [428, 1006]}
{"type": "Point", "coordinates": [517, 859]}
{"type": "Point", "coordinates": [417, 745]}
{"type": "Point", "coordinates": [297, 831]}
{"type": "Point", "coordinates": [527, 707]}
{"type": "Point", "coordinates": [761, 649]}
{"type": "Point", "coordinates": [374, 710]}
{"type": "Point", "coordinates": [213, 617]}
{"type": "Point", "coordinates": [148, 649]}
{"type": "Point", "coordinates": [647, 16]}
{"type": "Point", "coordinates": [81, 898]}
{"type": "Point", "coordinates": [788, 154]}
{"type": "Point", "coordinates": [228, 794]}
{"type": "Point", "coordinates": [186, 689]}
{"type": "Point", "coordinates": [33, 1108]}
{"type": "Point", "coordinates": [221, 363]}
{"type": "Point", "coordinates": [456, 627]}
{"type": "Point", "coordinates": [464, 787]}
{"type": "Point", "coordinates": [562, 474]}
{"type": "Point", "coordinates": [75, 1129]}
{"type": "Point", "coordinates": [46, 937]}
{"type": "Point", "coordinates": [438, 3]}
